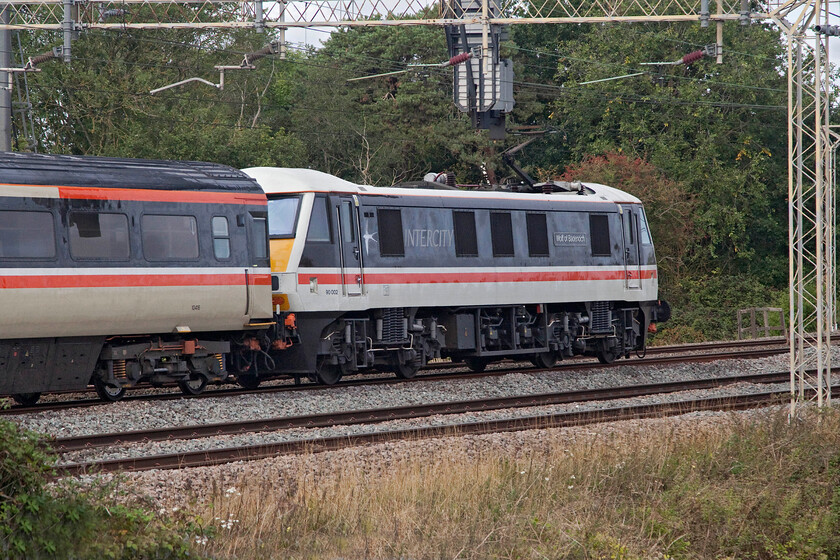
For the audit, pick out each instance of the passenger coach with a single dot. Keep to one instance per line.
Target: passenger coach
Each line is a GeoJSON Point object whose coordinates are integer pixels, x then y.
{"type": "Point", "coordinates": [391, 277]}
{"type": "Point", "coordinates": [119, 271]}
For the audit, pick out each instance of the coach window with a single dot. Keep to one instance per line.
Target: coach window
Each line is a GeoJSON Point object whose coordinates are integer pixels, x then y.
{"type": "Point", "coordinates": [390, 233]}
{"type": "Point", "coordinates": [169, 237]}
{"type": "Point", "coordinates": [599, 233]}
{"type": "Point", "coordinates": [26, 235]}
{"type": "Point", "coordinates": [95, 235]}
{"type": "Point", "coordinates": [282, 216]}
{"type": "Point", "coordinates": [466, 244]}
{"type": "Point", "coordinates": [319, 222]}
{"type": "Point", "coordinates": [221, 238]}
{"type": "Point", "coordinates": [537, 235]}
{"type": "Point", "coordinates": [501, 234]}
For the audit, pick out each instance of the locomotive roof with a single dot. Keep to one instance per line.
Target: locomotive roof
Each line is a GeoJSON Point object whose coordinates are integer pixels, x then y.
{"type": "Point", "coordinates": [281, 180]}
{"type": "Point", "coordinates": [105, 172]}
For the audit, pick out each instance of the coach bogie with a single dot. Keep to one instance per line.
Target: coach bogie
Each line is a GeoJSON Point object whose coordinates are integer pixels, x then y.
{"type": "Point", "coordinates": [192, 363]}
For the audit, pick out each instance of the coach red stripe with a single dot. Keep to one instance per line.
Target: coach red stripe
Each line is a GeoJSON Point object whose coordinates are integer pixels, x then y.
{"type": "Point", "coordinates": [132, 280]}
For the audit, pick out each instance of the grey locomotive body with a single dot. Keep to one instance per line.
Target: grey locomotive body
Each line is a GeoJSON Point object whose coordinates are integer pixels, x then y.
{"type": "Point", "coordinates": [389, 278]}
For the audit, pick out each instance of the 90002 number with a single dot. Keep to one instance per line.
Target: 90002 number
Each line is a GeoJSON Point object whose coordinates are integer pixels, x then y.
{"type": "Point", "coordinates": [332, 292]}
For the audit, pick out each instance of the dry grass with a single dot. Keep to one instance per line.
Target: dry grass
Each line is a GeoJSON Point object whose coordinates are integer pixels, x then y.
{"type": "Point", "coordinates": [755, 487]}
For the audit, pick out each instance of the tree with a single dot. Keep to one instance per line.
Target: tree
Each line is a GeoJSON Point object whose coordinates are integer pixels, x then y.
{"type": "Point", "coordinates": [100, 103]}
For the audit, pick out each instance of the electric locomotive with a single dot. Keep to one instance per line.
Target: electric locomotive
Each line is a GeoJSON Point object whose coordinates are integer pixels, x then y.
{"type": "Point", "coordinates": [121, 271]}
{"type": "Point", "coordinates": [388, 278]}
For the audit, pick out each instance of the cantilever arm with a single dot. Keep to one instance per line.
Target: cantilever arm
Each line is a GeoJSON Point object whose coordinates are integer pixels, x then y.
{"type": "Point", "coordinates": [182, 82]}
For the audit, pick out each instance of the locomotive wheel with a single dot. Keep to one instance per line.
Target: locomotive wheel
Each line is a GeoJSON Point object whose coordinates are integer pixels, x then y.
{"type": "Point", "coordinates": [248, 381]}
{"type": "Point", "coordinates": [476, 364]}
{"type": "Point", "coordinates": [26, 399]}
{"type": "Point", "coordinates": [406, 370]}
{"type": "Point", "coordinates": [107, 392]}
{"type": "Point", "coordinates": [544, 360]}
{"type": "Point", "coordinates": [193, 385]}
{"type": "Point", "coordinates": [606, 356]}
{"type": "Point", "coordinates": [327, 373]}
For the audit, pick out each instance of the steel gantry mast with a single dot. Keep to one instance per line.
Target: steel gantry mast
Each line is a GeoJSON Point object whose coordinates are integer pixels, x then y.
{"type": "Point", "coordinates": [810, 145]}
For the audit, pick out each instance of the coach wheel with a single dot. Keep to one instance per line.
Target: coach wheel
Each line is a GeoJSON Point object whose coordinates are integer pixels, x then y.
{"type": "Point", "coordinates": [193, 385]}
{"type": "Point", "coordinates": [108, 392]}
{"type": "Point", "coordinates": [248, 381]}
{"type": "Point", "coordinates": [476, 364]}
{"type": "Point", "coordinates": [26, 399]}
{"type": "Point", "coordinates": [544, 360]}
{"type": "Point", "coordinates": [327, 373]}
{"type": "Point", "coordinates": [406, 370]}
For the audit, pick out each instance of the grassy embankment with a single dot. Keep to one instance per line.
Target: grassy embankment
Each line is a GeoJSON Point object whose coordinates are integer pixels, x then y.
{"type": "Point", "coordinates": [754, 489]}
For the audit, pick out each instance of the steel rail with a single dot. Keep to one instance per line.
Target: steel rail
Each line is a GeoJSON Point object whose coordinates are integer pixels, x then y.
{"type": "Point", "coordinates": [361, 380]}
{"type": "Point", "coordinates": [369, 416]}
{"type": "Point", "coordinates": [316, 445]}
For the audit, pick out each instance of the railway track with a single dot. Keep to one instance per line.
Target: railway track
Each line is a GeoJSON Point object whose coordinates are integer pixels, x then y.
{"type": "Point", "coordinates": [219, 456]}
{"type": "Point", "coordinates": [440, 374]}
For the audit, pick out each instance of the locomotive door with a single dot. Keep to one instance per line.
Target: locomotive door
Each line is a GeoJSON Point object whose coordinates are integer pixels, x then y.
{"type": "Point", "coordinates": [632, 257]}
{"type": "Point", "coordinates": [350, 248]}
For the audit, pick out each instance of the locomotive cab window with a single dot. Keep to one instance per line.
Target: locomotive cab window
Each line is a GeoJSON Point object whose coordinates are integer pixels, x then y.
{"type": "Point", "coordinates": [26, 235]}
{"type": "Point", "coordinates": [501, 234]}
{"type": "Point", "coordinates": [319, 222]}
{"type": "Point", "coordinates": [599, 233]}
{"type": "Point", "coordinates": [283, 215]}
{"type": "Point", "coordinates": [94, 235]}
{"type": "Point", "coordinates": [221, 237]}
{"type": "Point", "coordinates": [391, 242]}
{"type": "Point", "coordinates": [466, 244]}
{"type": "Point", "coordinates": [644, 232]}
{"type": "Point", "coordinates": [167, 238]}
{"type": "Point", "coordinates": [537, 235]}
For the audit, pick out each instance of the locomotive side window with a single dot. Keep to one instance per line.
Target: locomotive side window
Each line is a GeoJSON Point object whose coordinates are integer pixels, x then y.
{"type": "Point", "coordinates": [466, 244]}
{"type": "Point", "coordinates": [27, 235]}
{"type": "Point", "coordinates": [348, 232]}
{"type": "Point", "coordinates": [221, 237]}
{"type": "Point", "coordinates": [282, 216]}
{"type": "Point", "coordinates": [537, 235]}
{"type": "Point", "coordinates": [628, 228]}
{"type": "Point", "coordinates": [98, 236]}
{"type": "Point", "coordinates": [319, 223]}
{"type": "Point", "coordinates": [501, 234]}
{"type": "Point", "coordinates": [599, 233]}
{"type": "Point", "coordinates": [391, 243]}
{"type": "Point", "coordinates": [169, 237]}
{"type": "Point", "coordinates": [644, 233]}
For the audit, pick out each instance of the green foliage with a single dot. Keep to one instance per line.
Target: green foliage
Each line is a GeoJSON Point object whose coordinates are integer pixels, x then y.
{"type": "Point", "coordinates": [100, 103]}
{"type": "Point", "coordinates": [717, 130]}
{"type": "Point", "coordinates": [38, 520]}
{"type": "Point", "coordinates": [387, 129]}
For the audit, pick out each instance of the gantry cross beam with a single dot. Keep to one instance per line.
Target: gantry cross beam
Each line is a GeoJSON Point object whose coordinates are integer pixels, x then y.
{"type": "Point", "coordinates": [811, 141]}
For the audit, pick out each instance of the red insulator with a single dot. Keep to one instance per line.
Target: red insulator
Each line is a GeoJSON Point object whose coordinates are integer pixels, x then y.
{"type": "Point", "coordinates": [459, 58]}
{"type": "Point", "coordinates": [692, 56]}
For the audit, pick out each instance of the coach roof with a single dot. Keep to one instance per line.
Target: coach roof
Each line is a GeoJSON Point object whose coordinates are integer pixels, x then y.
{"type": "Point", "coordinates": [102, 172]}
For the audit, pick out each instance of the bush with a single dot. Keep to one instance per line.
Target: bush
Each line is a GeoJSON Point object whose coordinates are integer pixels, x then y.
{"type": "Point", "coordinates": [707, 308]}
{"type": "Point", "coordinates": [43, 520]}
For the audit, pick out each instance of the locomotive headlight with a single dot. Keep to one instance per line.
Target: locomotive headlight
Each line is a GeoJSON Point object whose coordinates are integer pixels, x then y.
{"type": "Point", "coordinates": [313, 285]}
